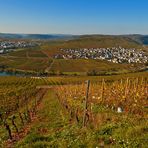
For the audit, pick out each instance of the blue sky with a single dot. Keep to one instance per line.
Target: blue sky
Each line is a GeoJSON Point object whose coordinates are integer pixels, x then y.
{"type": "Point", "coordinates": [74, 16]}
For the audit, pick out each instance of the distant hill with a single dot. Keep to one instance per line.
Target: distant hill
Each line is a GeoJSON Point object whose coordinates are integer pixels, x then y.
{"type": "Point", "coordinates": [105, 41]}
{"type": "Point", "coordinates": [52, 48]}
{"type": "Point", "coordinates": [130, 40]}
{"type": "Point", "coordinates": [142, 39]}
{"type": "Point", "coordinates": [35, 36]}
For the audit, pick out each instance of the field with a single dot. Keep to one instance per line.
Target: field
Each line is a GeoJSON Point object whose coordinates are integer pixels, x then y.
{"type": "Point", "coordinates": [30, 53]}
{"type": "Point", "coordinates": [111, 111]}
{"type": "Point", "coordinates": [40, 61]}
{"type": "Point", "coordinates": [26, 64]}
{"type": "Point", "coordinates": [65, 66]}
{"type": "Point", "coordinates": [68, 67]}
{"type": "Point", "coordinates": [84, 66]}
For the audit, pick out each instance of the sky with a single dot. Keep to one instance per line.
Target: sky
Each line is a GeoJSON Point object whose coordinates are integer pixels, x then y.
{"type": "Point", "coordinates": [74, 16]}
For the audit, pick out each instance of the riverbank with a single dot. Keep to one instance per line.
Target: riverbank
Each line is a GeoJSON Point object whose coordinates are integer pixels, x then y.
{"type": "Point", "coordinates": [23, 73]}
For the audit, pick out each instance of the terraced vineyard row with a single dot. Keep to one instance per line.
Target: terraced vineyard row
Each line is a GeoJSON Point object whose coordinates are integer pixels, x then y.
{"type": "Point", "coordinates": [19, 98]}
{"type": "Point", "coordinates": [128, 96]}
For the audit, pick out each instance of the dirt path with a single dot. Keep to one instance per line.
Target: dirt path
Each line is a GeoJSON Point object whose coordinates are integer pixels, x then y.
{"type": "Point", "coordinates": [27, 55]}
{"type": "Point", "coordinates": [48, 69]}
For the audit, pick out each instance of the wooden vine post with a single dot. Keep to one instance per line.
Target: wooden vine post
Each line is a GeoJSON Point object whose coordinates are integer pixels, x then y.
{"type": "Point", "coordinates": [102, 94]}
{"type": "Point", "coordinates": [86, 116]}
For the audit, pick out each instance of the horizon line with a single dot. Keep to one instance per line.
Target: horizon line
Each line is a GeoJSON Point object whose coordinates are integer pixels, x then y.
{"type": "Point", "coordinates": [70, 34]}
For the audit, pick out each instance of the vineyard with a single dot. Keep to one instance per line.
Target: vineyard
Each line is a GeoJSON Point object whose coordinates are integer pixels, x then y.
{"type": "Point", "coordinates": [18, 102]}
{"type": "Point", "coordinates": [102, 111]}
{"type": "Point", "coordinates": [129, 96]}
{"type": "Point", "coordinates": [111, 106]}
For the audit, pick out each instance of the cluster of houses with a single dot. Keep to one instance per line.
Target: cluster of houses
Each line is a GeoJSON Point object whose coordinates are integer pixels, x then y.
{"type": "Point", "coordinates": [114, 54]}
{"type": "Point", "coordinates": [8, 46]}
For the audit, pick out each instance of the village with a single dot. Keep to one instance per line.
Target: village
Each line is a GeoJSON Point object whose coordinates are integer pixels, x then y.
{"type": "Point", "coordinates": [9, 46]}
{"type": "Point", "coordinates": [114, 54]}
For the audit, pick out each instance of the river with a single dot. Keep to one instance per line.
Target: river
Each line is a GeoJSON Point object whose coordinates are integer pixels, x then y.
{"type": "Point", "coordinates": [9, 74]}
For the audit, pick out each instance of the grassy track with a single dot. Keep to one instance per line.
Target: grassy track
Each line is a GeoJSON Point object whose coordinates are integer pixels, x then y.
{"type": "Point", "coordinates": [50, 120]}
